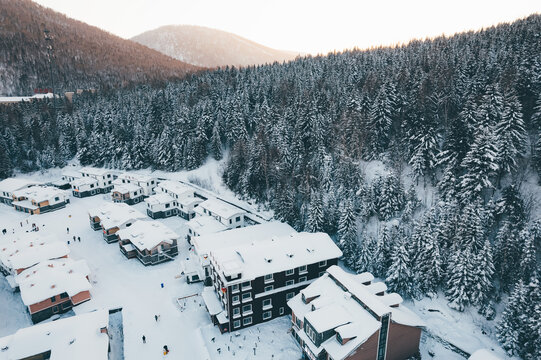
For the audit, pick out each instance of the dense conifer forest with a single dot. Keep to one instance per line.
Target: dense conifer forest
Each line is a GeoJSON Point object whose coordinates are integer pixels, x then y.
{"type": "Point", "coordinates": [461, 115]}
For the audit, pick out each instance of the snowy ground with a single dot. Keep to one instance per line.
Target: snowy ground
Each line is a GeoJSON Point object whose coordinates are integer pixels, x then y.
{"type": "Point", "coordinates": [186, 329]}
{"type": "Point", "coordinates": [119, 282]}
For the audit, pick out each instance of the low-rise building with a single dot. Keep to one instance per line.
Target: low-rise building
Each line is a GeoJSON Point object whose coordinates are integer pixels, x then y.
{"type": "Point", "coordinates": [175, 189]}
{"type": "Point", "coordinates": [253, 282]}
{"type": "Point", "coordinates": [152, 242]}
{"type": "Point", "coordinates": [22, 251]}
{"type": "Point", "coordinates": [117, 219]}
{"type": "Point", "coordinates": [39, 199]}
{"type": "Point", "coordinates": [347, 316]}
{"type": "Point", "coordinates": [187, 206]}
{"type": "Point", "coordinates": [11, 185]}
{"type": "Point", "coordinates": [101, 212]}
{"type": "Point", "coordinates": [82, 336]}
{"type": "Point", "coordinates": [229, 215]}
{"type": "Point", "coordinates": [161, 206]}
{"type": "Point", "coordinates": [103, 182]}
{"type": "Point", "coordinates": [53, 287]}
{"type": "Point", "coordinates": [127, 193]}
{"type": "Point", "coordinates": [147, 183]}
{"type": "Point", "coordinates": [201, 225]}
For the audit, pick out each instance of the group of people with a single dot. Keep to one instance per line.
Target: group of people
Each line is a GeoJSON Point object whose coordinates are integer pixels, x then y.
{"type": "Point", "coordinates": [165, 348]}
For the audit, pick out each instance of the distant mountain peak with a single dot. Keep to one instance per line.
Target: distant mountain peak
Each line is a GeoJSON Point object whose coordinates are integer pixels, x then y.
{"type": "Point", "coordinates": [206, 47]}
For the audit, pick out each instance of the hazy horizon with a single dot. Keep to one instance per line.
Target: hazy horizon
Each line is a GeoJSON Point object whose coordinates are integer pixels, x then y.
{"type": "Point", "coordinates": [301, 26]}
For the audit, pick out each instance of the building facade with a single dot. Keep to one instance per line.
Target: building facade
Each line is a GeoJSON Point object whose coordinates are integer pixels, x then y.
{"type": "Point", "coordinates": [39, 199]}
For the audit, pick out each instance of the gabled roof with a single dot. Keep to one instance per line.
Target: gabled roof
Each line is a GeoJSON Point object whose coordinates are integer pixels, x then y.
{"type": "Point", "coordinates": [136, 177]}
{"type": "Point", "coordinates": [160, 198]}
{"type": "Point", "coordinates": [221, 208]}
{"type": "Point", "coordinates": [146, 235]}
{"type": "Point", "coordinates": [120, 215]}
{"type": "Point", "coordinates": [40, 193]}
{"type": "Point", "coordinates": [10, 185]}
{"type": "Point", "coordinates": [84, 181]}
{"type": "Point", "coordinates": [126, 188]}
{"type": "Point", "coordinates": [176, 188]}
{"type": "Point", "coordinates": [51, 278]}
{"type": "Point", "coordinates": [205, 225]}
{"type": "Point", "coordinates": [76, 337]}
{"type": "Point", "coordinates": [27, 249]}
{"type": "Point", "coordinates": [95, 171]}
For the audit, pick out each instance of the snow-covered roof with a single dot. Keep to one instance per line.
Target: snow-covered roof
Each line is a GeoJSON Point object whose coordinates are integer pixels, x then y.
{"type": "Point", "coordinates": [273, 255]}
{"type": "Point", "coordinates": [51, 278]}
{"type": "Point", "coordinates": [76, 337]}
{"type": "Point", "coordinates": [189, 201]}
{"type": "Point", "coordinates": [160, 198]}
{"type": "Point", "coordinates": [221, 208]}
{"type": "Point", "coordinates": [10, 185]}
{"type": "Point", "coordinates": [148, 234]}
{"type": "Point", "coordinates": [126, 188]}
{"type": "Point", "coordinates": [136, 177]}
{"type": "Point", "coordinates": [176, 188]}
{"type": "Point", "coordinates": [484, 354]}
{"type": "Point", "coordinates": [108, 208]}
{"type": "Point", "coordinates": [205, 225]}
{"type": "Point", "coordinates": [119, 216]}
{"type": "Point", "coordinates": [71, 173]}
{"type": "Point", "coordinates": [84, 181]}
{"type": "Point", "coordinates": [12, 99]}
{"type": "Point", "coordinates": [27, 249]}
{"type": "Point", "coordinates": [95, 171]}
{"type": "Point", "coordinates": [352, 309]}
{"type": "Point", "coordinates": [211, 300]}
{"type": "Point", "coordinates": [205, 243]}
{"type": "Point", "coordinates": [40, 193]}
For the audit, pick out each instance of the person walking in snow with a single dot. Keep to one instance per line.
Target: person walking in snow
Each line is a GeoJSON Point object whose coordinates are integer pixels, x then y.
{"type": "Point", "coordinates": [156, 318]}
{"type": "Point", "coordinates": [144, 339]}
{"type": "Point", "coordinates": [78, 238]}
{"type": "Point", "coordinates": [4, 232]}
{"type": "Point", "coordinates": [68, 230]}
{"type": "Point", "coordinates": [165, 350]}
{"type": "Point", "coordinates": [73, 238]}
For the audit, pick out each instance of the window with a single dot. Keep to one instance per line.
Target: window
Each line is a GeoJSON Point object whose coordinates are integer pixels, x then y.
{"type": "Point", "coordinates": [269, 288]}
{"type": "Point", "coordinates": [267, 304]}
{"type": "Point", "coordinates": [322, 263]}
{"type": "Point", "coordinates": [91, 186]}
{"type": "Point", "coordinates": [235, 288]}
{"type": "Point", "coordinates": [302, 279]}
{"type": "Point", "coordinates": [290, 295]}
{"type": "Point", "coordinates": [236, 312]}
{"type": "Point", "coordinates": [246, 296]}
{"type": "Point", "coordinates": [56, 198]}
{"type": "Point", "coordinates": [302, 269]}
{"type": "Point", "coordinates": [167, 206]}
{"type": "Point", "coordinates": [247, 321]}
{"type": "Point", "coordinates": [235, 299]}
{"type": "Point", "coordinates": [267, 315]}
{"type": "Point", "coordinates": [53, 299]}
{"type": "Point", "coordinates": [230, 221]}
{"type": "Point", "coordinates": [247, 309]}
{"type": "Point", "coordinates": [247, 285]}
{"type": "Point", "coordinates": [281, 312]}
{"type": "Point", "coordinates": [290, 282]}
{"type": "Point", "coordinates": [290, 272]}
{"type": "Point", "coordinates": [237, 219]}
{"type": "Point", "coordinates": [269, 278]}
{"type": "Point", "coordinates": [63, 295]}
{"type": "Point", "coordinates": [236, 324]}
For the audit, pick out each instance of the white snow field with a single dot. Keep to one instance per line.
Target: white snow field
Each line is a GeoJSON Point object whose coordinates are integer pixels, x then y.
{"type": "Point", "coordinates": [184, 326]}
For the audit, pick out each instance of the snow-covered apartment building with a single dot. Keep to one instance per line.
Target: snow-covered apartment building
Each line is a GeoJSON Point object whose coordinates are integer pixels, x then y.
{"type": "Point", "coordinates": [254, 281]}
{"type": "Point", "coordinates": [151, 242]}
{"type": "Point", "coordinates": [93, 181]}
{"type": "Point", "coordinates": [204, 244]}
{"type": "Point", "coordinates": [347, 316]}
{"type": "Point", "coordinates": [84, 336]}
{"type": "Point", "coordinates": [133, 188]}
{"type": "Point", "coordinates": [117, 218]}
{"type": "Point", "coordinates": [39, 199]}
{"type": "Point", "coordinates": [54, 286]}
{"type": "Point", "coordinates": [229, 215]}
{"type": "Point", "coordinates": [172, 198]}
{"type": "Point", "coordinates": [22, 251]}
{"type": "Point", "coordinates": [10, 185]}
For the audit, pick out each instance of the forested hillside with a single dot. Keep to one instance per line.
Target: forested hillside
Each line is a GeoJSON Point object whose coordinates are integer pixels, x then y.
{"type": "Point", "coordinates": [211, 48]}
{"type": "Point", "coordinates": [462, 115]}
{"type": "Point", "coordinates": [84, 56]}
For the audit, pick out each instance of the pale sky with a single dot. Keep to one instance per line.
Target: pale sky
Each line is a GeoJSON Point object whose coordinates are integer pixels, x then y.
{"type": "Point", "coordinates": [300, 25]}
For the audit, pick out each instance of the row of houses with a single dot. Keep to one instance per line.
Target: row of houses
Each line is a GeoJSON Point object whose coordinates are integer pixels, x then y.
{"type": "Point", "coordinates": [40, 269]}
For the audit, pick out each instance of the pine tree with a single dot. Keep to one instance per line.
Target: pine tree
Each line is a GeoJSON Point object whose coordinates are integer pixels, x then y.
{"type": "Point", "coordinates": [510, 135]}
{"type": "Point", "coordinates": [399, 277]}
{"type": "Point", "coordinates": [528, 262]}
{"type": "Point", "coordinates": [316, 219]}
{"type": "Point", "coordinates": [216, 142]}
{"type": "Point", "coordinates": [483, 274]}
{"type": "Point", "coordinates": [508, 327]}
{"type": "Point", "coordinates": [347, 233]}
{"type": "Point", "coordinates": [460, 281]}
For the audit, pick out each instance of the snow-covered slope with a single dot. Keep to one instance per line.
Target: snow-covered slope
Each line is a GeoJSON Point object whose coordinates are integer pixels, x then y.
{"type": "Point", "coordinates": [206, 47]}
